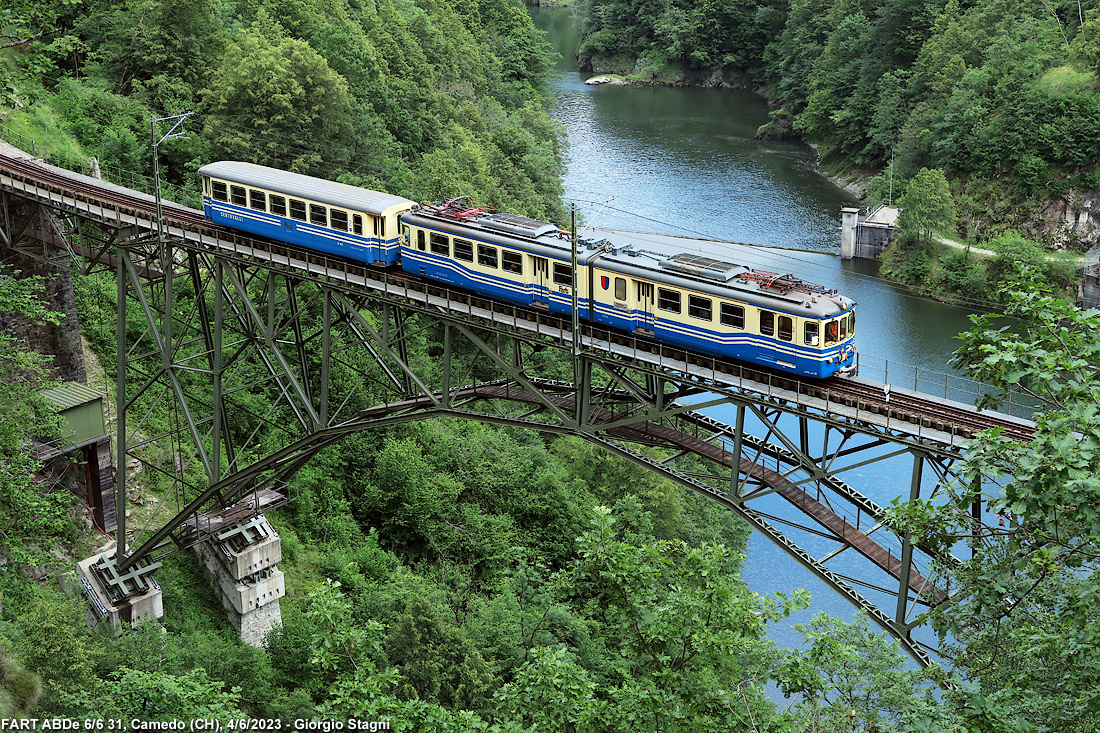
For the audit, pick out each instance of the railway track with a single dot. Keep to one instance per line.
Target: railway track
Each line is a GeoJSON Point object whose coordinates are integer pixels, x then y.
{"type": "Point", "coordinates": [900, 405]}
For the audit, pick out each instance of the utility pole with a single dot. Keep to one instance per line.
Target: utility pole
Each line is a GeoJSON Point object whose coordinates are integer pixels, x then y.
{"type": "Point", "coordinates": [890, 201]}
{"type": "Point", "coordinates": [167, 256]}
{"type": "Point", "coordinates": [576, 298]}
{"type": "Point", "coordinates": [120, 377]}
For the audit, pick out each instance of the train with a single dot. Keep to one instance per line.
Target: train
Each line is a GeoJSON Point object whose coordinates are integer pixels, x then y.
{"type": "Point", "coordinates": [691, 301]}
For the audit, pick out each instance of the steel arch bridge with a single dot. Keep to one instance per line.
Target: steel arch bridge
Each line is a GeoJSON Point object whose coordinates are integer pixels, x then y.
{"type": "Point", "coordinates": [207, 316]}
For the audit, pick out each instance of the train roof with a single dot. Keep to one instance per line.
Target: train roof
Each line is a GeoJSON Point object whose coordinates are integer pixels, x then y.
{"type": "Point", "coordinates": [661, 259]}
{"type": "Point", "coordinates": [364, 200]}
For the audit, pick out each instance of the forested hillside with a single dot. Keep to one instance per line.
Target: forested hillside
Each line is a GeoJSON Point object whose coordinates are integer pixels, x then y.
{"type": "Point", "coordinates": [452, 576]}
{"type": "Point", "coordinates": [422, 100]}
{"type": "Point", "coordinates": [1001, 95]}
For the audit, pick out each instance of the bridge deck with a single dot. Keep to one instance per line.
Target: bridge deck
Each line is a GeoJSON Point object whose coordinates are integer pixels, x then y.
{"type": "Point", "coordinates": [911, 416]}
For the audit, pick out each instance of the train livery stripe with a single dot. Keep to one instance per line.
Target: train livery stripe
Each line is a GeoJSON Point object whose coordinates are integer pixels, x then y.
{"type": "Point", "coordinates": [742, 344]}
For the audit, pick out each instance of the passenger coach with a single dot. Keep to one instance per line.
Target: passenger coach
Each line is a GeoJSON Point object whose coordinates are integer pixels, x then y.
{"type": "Point", "coordinates": [322, 215]}
{"type": "Point", "coordinates": [688, 300]}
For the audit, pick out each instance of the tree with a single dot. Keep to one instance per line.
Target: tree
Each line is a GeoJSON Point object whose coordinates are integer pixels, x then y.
{"type": "Point", "coordinates": [275, 101]}
{"type": "Point", "coordinates": [851, 677]}
{"type": "Point", "coordinates": [1084, 51]}
{"type": "Point", "coordinates": [926, 205]}
{"type": "Point", "coordinates": [1024, 621]}
{"type": "Point", "coordinates": [692, 652]}
{"type": "Point", "coordinates": [54, 643]}
{"type": "Point", "coordinates": [155, 696]}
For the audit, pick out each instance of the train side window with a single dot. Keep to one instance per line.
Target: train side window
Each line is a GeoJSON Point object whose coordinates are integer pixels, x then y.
{"type": "Point", "coordinates": [206, 185]}
{"type": "Point", "coordinates": [382, 227]}
{"type": "Point", "coordinates": [221, 192]}
{"type": "Point", "coordinates": [852, 323]}
{"type": "Point", "coordinates": [563, 274]}
{"type": "Point", "coordinates": [297, 209]}
{"type": "Point", "coordinates": [339, 219]}
{"type": "Point", "coordinates": [441, 244]}
{"type": "Point", "coordinates": [786, 328]}
{"type": "Point", "coordinates": [464, 250]}
{"type": "Point", "coordinates": [487, 256]}
{"type": "Point", "coordinates": [511, 262]}
{"type": "Point", "coordinates": [620, 288]}
{"type": "Point", "coordinates": [732, 315]}
{"type": "Point", "coordinates": [236, 194]}
{"type": "Point", "coordinates": [767, 323]}
{"type": "Point", "coordinates": [420, 239]}
{"type": "Point", "coordinates": [318, 215]}
{"type": "Point", "coordinates": [700, 308]}
{"type": "Point", "coordinates": [257, 200]}
{"type": "Point", "coordinates": [278, 205]}
{"type": "Point", "coordinates": [811, 333]}
{"type": "Point", "coordinates": [357, 224]}
{"type": "Point", "coordinates": [830, 333]}
{"type": "Point", "coordinates": [376, 226]}
{"type": "Point", "coordinates": [668, 300]}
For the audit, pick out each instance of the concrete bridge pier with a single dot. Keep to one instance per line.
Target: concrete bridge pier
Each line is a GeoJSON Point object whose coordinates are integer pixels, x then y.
{"type": "Point", "coordinates": [116, 597]}
{"type": "Point", "coordinates": [241, 562]}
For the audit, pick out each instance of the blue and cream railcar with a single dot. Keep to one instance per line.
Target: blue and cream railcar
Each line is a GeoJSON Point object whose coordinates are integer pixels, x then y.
{"type": "Point", "coordinates": [716, 307]}
{"type": "Point", "coordinates": [503, 256]}
{"type": "Point", "coordinates": [310, 212]}
{"type": "Point", "coordinates": [687, 300]}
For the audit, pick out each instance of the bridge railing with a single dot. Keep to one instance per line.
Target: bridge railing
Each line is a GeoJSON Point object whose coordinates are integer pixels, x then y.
{"type": "Point", "coordinates": [353, 277]}
{"type": "Point", "coordinates": [106, 172]}
{"type": "Point", "coordinates": [18, 140]}
{"type": "Point", "coordinates": [949, 385]}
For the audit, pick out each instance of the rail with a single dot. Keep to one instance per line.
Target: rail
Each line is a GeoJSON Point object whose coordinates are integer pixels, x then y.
{"type": "Point", "coordinates": [111, 173]}
{"type": "Point", "coordinates": [920, 415]}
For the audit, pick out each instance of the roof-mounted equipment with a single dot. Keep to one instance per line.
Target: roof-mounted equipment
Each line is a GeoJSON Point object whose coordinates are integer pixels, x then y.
{"type": "Point", "coordinates": [785, 282]}
{"type": "Point", "coordinates": [521, 225]}
{"type": "Point", "coordinates": [703, 267]}
{"type": "Point", "coordinates": [462, 208]}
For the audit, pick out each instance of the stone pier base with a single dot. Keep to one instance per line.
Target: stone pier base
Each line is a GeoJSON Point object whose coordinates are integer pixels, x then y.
{"type": "Point", "coordinates": [240, 561]}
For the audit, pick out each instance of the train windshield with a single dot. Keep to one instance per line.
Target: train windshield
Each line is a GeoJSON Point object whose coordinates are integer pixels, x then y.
{"type": "Point", "coordinates": [811, 333]}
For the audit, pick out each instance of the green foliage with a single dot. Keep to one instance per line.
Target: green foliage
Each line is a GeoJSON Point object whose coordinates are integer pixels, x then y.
{"type": "Point", "coordinates": [54, 643]}
{"type": "Point", "coordinates": [927, 206]}
{"type": "Point", "coordinates": [850, 677]}
{"type": "Point", "coordinates": [155, 696]}
{"type": "Point", "coordinates": [1084, 51]}
{"type": "Point", "coordinates": [1024, 610]}
{"type": "Point", "coordinates": [19, 689]}
{"type": "Point", "coordinates": [143, 45]}
{"type": "Point", "coordinates": [721, 35]}
{"type": "Point", "coordinates": [271, 89]}
{"type": "Point", "coordinates": [34, 521]}
{"type": "Point", "coordinates": [691, 654]}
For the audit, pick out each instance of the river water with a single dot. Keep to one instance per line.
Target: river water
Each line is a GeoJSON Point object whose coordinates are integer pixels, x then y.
{"type": "Point", "coordinates": [684, 161]}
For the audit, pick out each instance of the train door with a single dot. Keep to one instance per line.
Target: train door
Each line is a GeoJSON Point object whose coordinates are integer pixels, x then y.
{"type": "Point", "coordinates": [643, 320]}
{"type": "Point", "coordinates": [540, 282]}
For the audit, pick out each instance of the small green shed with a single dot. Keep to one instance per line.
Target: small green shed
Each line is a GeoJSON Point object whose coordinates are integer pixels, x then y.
{"type": "Point", "coordinates": [83, 434]}
{"type": "Point", "coordinates": [81, 409]}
